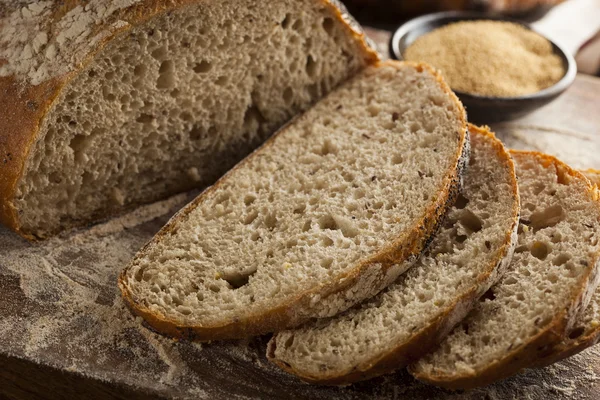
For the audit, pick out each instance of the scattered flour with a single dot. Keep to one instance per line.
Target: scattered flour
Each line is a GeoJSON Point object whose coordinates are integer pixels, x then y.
{"type": "Point", "coordinates": [38, 44]}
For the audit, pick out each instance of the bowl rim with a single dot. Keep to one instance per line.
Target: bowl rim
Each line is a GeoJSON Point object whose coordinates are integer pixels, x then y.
{"type": "Point", "coordinates": [456, 16]}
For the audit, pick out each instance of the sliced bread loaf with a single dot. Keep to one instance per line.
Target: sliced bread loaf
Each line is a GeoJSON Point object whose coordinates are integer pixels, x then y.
{"type": "Point", "coordinates": [314, 221]}
{"type": "Point", "coordinates": [549, 283]}
{"type": "Point", "coordinates": [414, 313]}
{"type": "Point", "coordinates": [586, 331]}
{"type": "Point", "coordinates": [110, 104]}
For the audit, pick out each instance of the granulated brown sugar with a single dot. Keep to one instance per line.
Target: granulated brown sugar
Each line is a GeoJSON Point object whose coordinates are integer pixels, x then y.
{"type": "Point", "coordinates": [490, 58]}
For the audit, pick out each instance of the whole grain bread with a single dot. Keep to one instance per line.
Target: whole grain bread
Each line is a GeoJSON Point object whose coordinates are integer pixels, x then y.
{"type": "Point", "coordinates": [110, 104]}
{"type": "Point", "coordinates": [408, 318]}
{"type": "Point", "coordinates": [318, 219]}
{"type": "Point", "coordinates": [550, 280]}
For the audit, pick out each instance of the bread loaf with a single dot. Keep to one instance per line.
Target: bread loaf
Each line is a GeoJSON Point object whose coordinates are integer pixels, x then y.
{"type": "Point", "coordinates": [110, 104]}
{"type": "Point", "coordinates": [318, 219]}
{"type": "Point", "coordinates": [550, 280]}
{"type": "Point", "coordinates": [407, 319]}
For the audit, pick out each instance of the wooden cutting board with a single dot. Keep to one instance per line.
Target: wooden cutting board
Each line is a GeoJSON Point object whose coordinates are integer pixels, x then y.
{"type": "Point", "coordinates": [65, 334]}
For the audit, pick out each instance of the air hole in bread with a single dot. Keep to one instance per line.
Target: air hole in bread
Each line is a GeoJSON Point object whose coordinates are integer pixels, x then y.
{"type": "Point", "coordinates": [270, 220]}
{"type": "Point", "coordinates": [328, 25]}
{"type": "Point", "coordinates": [145, 118]}
{"type": "Point", "coordinates": [311, 67]}
{"type": "Point", "coordinates": [397, 159]}
{"type": "Point", "coordinates": [577, 332]}
{"type": "Point", "coordinates": [489, 295]}
{"type": "Point", "coordinates": [297, 24]}
{"type": "Point", "coordinates": [327, 222]}
{"type": "Point", "coordinates": [79, 144]}
{"type": "Point", "coordinates": [202, 67]}
{"type": "Point", "coordinates": [328, 147]}
{"type": "Point", "coordinates": [326, 241]}
{"type": "Point", "coordinates": [470, 221]}
{"type": "Point", "coordinates": [540, 250]}
{"type": "Point", "coordinates": [160, 53]}
{"type": "Point", "coordinates": [166, 77]}
{"type": "Point", "coordinates": [249, 199]}
{"type": "Point", "coordinates": [186, 116]}
{"type": "Point", "coordinates": [237, 279]}
{"type": "Point", "coordinates": [461, 202]}
{"type": "Point", "coordinates": [222, 80]}
{"type": "Point", "coordinates": [250, 217]}
{"type": "Point", "coordinates": [548, 217]}
{"type": "Point", "coordinates": [288, 95]}
{"type": "Point", "coordinates": [561, 259]}
{"type": "Point", "coordinates": [553, 278]}
{"type": "Point", "coordinates": [461, 238]}
{"type": "Point", "coordinates": [326, 262]}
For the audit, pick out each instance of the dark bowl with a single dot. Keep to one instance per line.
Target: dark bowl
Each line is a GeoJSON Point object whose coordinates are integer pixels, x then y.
{"type": "Point", "coordinates": [485, 109]}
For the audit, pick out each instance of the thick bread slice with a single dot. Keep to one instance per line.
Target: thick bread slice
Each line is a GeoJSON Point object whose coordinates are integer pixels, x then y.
{"type": "Point", "coordinates": [414, 313]}
{"type": "Point", "coordinates": [315, 220]}
{"type": "Point", "coordinates": [110, 104]}
{"type": "Point", "coordinates": [586, 332]}
{"type": "Point", "coordinates": [549, 283]}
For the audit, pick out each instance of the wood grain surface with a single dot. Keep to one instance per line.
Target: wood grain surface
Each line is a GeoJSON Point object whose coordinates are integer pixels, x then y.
{"type": "Point", "coordinates": [65, 334]}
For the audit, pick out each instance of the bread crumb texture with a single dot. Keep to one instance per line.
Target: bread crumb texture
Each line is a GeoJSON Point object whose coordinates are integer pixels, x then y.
{"type": "Point", "coordinates": [462, 261]}
{"type": "Point", "coordinates": [490, 58]}
{"type": "Point", "coordinates": [335, 190]}
{"type": "Point", "coordinates": [544, 288]}
{"type": "Point", "coordinates": [169, 105]}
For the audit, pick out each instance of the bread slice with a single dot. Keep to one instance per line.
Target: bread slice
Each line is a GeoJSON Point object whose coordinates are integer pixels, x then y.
{"type": "Point", "coordinates": [414, 313]}
{"type": "Point", "coordinates": [549, 283]}
{"type": "Point", "coordinates": [110, 104]}
{"type": "Point", "coordinates": [315, 220]}
{"type": "Point", "coordinates": [586, 331]}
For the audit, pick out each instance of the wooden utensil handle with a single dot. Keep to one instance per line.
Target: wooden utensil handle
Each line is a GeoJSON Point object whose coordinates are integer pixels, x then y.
{"type": "Point", "coordinates": [571, 23]}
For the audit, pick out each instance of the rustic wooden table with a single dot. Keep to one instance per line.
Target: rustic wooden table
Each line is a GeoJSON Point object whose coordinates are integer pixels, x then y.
{"type": "Point", "coordinates": [64, 332]}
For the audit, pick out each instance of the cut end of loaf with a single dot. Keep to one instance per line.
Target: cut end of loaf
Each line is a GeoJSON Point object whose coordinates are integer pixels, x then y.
{"type": "Point", "coordinates": [546, 288]}
{"type": "Point", "coordinates": [177, 100]}
{"type": "Point", "coordinates": [315, 220]}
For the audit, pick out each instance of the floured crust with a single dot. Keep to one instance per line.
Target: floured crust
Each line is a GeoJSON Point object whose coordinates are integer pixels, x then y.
{"type": "Point", "coordinates": [25, 105]}
{"type": "Point", "coordinates": [428, 337]}
{"type": "Point", "coordinates": [542, 344]}
{"type": "Point", "coordinates": [298, 309]}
